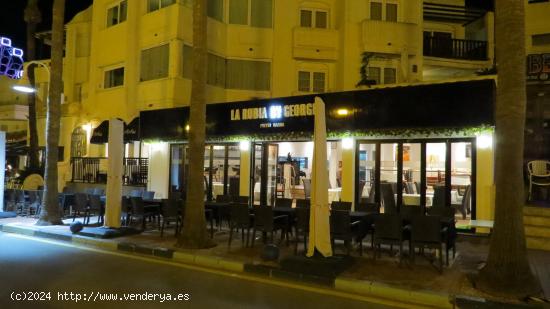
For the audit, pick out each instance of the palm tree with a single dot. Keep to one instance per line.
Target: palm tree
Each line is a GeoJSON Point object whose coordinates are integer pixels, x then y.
{"type": "Point", "coordinates": [194, 233]}
{"type": "Point", "coordinates": [50, 213]}
{"type": "Point", "coordinates": [32, 17]}
{"type": "Point", "coordinates": [507, 270]}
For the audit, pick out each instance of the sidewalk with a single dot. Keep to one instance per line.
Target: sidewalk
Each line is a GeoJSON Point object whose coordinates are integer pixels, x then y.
{"type": "Point", "coordinates": [416, 285]}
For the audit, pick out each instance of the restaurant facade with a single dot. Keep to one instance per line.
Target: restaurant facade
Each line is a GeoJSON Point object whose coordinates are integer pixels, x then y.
{"type": "Point", "coordinates": [431, 143]}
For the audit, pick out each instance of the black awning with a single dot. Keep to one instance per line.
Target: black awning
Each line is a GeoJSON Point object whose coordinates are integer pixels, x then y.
{"type": "Point", "coordinates": [100, 135]}
{"type": "Point", "coordinates": [131, 131]}
{"type": "Point", "coordinates": [17, 148]}
{"type": "Point", "coordinates": [463, 104]}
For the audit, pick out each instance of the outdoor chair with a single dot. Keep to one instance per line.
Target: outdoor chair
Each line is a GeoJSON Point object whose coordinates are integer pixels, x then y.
{"type": "Point", "coordinates": [539, 175]}
{"type": "Point", "coordinates": [9, 200]}
{"type": "Point", "coordinates": [126, 210]}
{"type": "Point", "coordinates": [447, 215]}
{"type": "Point", "coordinates": [241, 199]}
{"type": "Point", "coordinates": [148, 195]}
{"type": "Point", "coordinates": [89, 191]}
{"type": "Point", "coordinates": [426, 232]}
{"type": "Point", "coordinates": [338, 205]}
{"type": "Point", "coordinates": [439, 196]}
{"type": "Point", "coordinates": [80, 206]}
{"type": "Point", "coordinates": [409, 211]}
{"type": "Point", "coordinates": [98, 191]}
{"type": "Point", "coordinates": [301, 227]}
{"type": "Point", "coordinates": [240, 218]}
{"type": "Point", "coordinates": [266, 222]}
{"type": "Point", "coordinates": [33, 204]}
{"type": "Point", "coordinates": [138, 211]}
{"type": "Point", "coordinates": [223, 199]}
{"type": "Point", "coordinates": [301, 203]}
{"type": "Point", "coordinates": [368, 207]}
{"type": "Point", "coordinates": [95, 208]}
{"type": "Point", "coordinates": [307, 187]}
{"type": "Point", "coordinates": [135, 193]}
{"type": "Point", "coordinates": [20, 202]}
{"type": "Point", "coordinates": [169, 213]}
{"type": "Point", "coordinates": [464, 207]}
{"type": "Point", "coordinates": [342, 228]}
{"type": "Point", "coordinates": [388, 199]}
{"type": "Point", "coordinates": [283, 202]}
{"type": "Point", "coordinates": [388, 229]}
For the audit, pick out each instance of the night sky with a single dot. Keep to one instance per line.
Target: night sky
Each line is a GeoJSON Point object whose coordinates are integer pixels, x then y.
{"type": "Point", "coordinates": [12, 24]}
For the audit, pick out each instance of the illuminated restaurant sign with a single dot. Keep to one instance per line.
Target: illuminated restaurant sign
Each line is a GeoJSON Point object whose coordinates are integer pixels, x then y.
{"type": "Point", "coordinates": [11, 59]}
{"type": "Point", "coordinates": [444, 105]}
{"type": "Point", "coordinates": [538, 67]}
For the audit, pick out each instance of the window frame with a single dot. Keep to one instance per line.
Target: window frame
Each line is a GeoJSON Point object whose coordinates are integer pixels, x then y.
{"type": "Point", "coordinates": [382, 71]}
{"type": "Point", "coordinates": [159, 6]}
{"type": "Point", "coordinates": [311, 79]}
{"type": "Point", "coordinates": [116, 5]}
{"type": "Point", "coordinates": [314, 17]}
{"type": "Point", "coordinates": [106, 70]}
{"type": "Point", "coordinates": [249, 15]}
{"type": "Point", "coordinates": [384, 10]}
{"type": "Point", "coordinates": [167, 45]}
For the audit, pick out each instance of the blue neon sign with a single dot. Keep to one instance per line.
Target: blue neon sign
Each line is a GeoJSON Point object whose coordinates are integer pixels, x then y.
{"type": "Point", "coordinates": [11, 59]}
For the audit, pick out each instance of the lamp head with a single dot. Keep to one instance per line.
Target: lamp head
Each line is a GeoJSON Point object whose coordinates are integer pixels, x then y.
{"type": "Point", "coordinates": [23, 85]}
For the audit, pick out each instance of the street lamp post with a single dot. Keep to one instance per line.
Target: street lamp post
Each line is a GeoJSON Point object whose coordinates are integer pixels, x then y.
{"type": "Point", "coordinates": [25, 87]}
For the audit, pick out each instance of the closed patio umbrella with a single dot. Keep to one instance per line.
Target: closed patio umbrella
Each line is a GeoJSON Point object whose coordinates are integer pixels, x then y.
{"type": "Point", "coordinates": [319, 226]}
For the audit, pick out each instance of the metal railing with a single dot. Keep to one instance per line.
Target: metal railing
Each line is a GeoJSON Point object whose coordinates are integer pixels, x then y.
{"type": "Point", "coordinates": [455, 48]}
{"type": "Point", "coordinates": [94, 170]}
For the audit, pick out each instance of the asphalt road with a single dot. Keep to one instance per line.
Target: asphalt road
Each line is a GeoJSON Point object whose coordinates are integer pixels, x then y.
{"type": "Point", "coordinates": [28, 267]}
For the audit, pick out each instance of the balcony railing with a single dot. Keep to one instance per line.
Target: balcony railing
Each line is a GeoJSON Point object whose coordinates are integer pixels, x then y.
{"type": "Point", "coordinates": [94, 170]}
{"type": "Point", "coordinates": [455, 48]}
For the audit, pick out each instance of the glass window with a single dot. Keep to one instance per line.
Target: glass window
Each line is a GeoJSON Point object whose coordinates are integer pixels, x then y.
{"type": "Point", "coordinates": [238, 12]}
{"type": "Point", "coordinates": [154, 62]}
{"type": "Point", "coordinates": [117, 14]}
{"type": "Point", "coordinates": [318, 82]}
{"type": "Point", "coordinates": [374, 74]}
{"type": "Point", "coordinates": [388, 177]}
{"type": "Point", "coordinates": [303, 81]}
{"type": "Point", "coordinates": [215, 9]}
{"type": "Point", "coordinates": [261, 13]}
{"type": "Point", "coordinates": [306, 18]}
{"type": "Point", "coordinates": [376, 11]}
{"type": "Point", "coordinates": [114, 78]}
{"type": "Point", "coordinates": [391, 12]}
{"type": "Point", "coordinates": [187, 61]}
{"type": "Point", "coordinates": [154, 5]}
{"type": "Point", "coordinates": [435, 174]}
{"type": "Point", "coordinates": [216, 71]}
{"type": "Point", "coordinates": [248, 74]}
{"type": "Point", "coordinates": [389, 76]}
{"type": "Point", "coordinates": [541, 39]}
{"type": "Point", "coordinates": [321, 20]}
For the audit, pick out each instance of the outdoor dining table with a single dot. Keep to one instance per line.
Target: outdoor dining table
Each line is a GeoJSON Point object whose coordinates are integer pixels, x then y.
{"type": "Point", "coordinates": [218, 210]}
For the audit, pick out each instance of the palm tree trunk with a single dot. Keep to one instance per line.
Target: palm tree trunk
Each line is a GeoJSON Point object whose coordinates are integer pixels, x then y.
{"type": "Point", "coordinates": [507, 270]}
{"type": "Point", "coordinates": [50, 213]}
{"type": "Point", "coordinates": [194, 233]}
{"type": "Point", "coordinates": [32, 17]}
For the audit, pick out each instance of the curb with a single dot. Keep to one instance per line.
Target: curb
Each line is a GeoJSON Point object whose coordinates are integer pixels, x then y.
{"type": "Point", "coordinates": [380, 290]}
{"type": "Point", "coordinates": [351, 286]}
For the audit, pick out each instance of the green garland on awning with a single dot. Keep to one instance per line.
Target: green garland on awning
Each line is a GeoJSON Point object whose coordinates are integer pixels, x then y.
{"type": "Point", "coordinates": [358, 134]}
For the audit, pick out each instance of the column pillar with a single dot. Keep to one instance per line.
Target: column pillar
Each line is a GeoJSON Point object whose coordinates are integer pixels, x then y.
{"type": "Point", "coordinates": [348, 170]}
{"type": "Point", "coordinates": [244, 173]}
{"type": "Point", "coordinates": [485, 183]}
{"type": "Point", "coordinates": [114, 174]}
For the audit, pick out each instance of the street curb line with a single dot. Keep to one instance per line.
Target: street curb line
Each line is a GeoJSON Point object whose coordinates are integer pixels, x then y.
{"type": "Point", "coordinates": [380, 290]}
{"type": "Point", "coordinates": [351, 286]}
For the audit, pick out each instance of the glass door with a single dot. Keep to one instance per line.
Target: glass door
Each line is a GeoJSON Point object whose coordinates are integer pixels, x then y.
{"type": "Point", "coordinates": [178, 170]}
{"type": "Point", "coordinates": [366, 173]}
{"type": "Point", "coordinates": [264, 173]}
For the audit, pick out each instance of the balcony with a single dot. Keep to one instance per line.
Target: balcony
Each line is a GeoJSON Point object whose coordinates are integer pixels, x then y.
{"type": "Point", "coordinates": [455, 48]}
{"type": "Point", "coordinates": [389, 37]}
{"type": "Point", "coordinates": [94, 170]}
{"type": "Point", "coordinates": [312, 43]}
